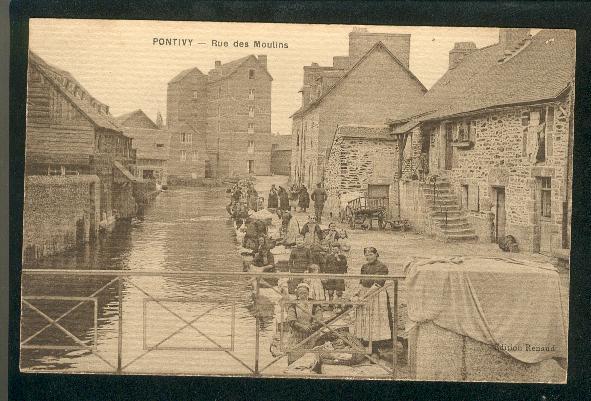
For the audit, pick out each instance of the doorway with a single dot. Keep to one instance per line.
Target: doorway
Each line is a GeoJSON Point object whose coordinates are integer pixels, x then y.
{"type": "Point", "coordinates": [251, 167]}
{"type": "Point", "coordinates": [500, 213]}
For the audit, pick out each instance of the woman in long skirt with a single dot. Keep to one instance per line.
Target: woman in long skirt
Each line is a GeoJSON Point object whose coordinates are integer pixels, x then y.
{"type": "Point", "coordinates": [376, 316]}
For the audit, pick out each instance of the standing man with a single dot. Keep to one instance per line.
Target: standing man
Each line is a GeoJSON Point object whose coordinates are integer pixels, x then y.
{"type": "Point", "coordinates": [319, 197]}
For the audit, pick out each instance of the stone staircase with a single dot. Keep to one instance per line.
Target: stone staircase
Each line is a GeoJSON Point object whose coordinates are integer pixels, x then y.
{"type": "Point", "coordinates": [447, 218]}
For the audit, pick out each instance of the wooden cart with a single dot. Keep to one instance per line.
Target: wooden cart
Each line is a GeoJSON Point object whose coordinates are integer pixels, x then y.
{"type": "Point", "coordinates": [363, 211]}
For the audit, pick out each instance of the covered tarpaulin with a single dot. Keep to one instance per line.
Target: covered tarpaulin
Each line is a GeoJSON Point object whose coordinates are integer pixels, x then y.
{"type": "Point", "coordinates": [511, 305]}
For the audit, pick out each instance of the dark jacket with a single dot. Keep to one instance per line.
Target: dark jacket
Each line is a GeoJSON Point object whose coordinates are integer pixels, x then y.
{"type": "Point", "coordinates": [376, 267]}
{"type": "Point", "coordinates": [273, 201]}
{"type": "Point", "coordinates": [283, 199]}
{"type": "Point", "coordinates": [319, 197]}
{"type": "Point", "coordinates": [299, 260]}
{"type": "Point", "coordinates": [304, 201]}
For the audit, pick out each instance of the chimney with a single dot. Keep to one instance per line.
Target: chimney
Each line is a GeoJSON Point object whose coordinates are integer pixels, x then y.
{"type": "Point", "coordinates": [360, 41]}
{"type": "Point", "coordinates": [509, 38]}
{"type": "Point", "coordinates": [340, 62]}
{"type": "Point", "coordinates": [306, 95]}
{"type": "Point", "coordinates": [460, 50]}
{"type": "Point", "coordinates": [263, 60]}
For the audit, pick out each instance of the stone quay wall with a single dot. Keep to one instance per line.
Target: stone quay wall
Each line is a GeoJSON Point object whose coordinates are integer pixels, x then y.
{"type": "Point", "coordinates": [59, 213]}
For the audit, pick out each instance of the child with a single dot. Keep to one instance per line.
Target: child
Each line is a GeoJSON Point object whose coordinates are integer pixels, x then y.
{"type": "Point", "coordinates": [299, 262]}
{"type": "Point", "coordinates": [316, 287]}
{"type": "Point", "coordinates": [336, 263]}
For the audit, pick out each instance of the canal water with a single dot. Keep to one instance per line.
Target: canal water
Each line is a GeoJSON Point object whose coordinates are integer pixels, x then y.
{"type": "Point", "coordinates": [183, 230]}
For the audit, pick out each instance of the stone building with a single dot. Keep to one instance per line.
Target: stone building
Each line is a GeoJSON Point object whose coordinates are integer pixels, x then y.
{"type": "Point", "coordinates": [362, 158]}
{"type": "Point", "coordinates": [229, 113]}
{"type": "Point", "coordinates": [497, 131]}
{"type": "Point", "coordinates": [363, 87]}
{"type": "Point", "coordinates": [136, 119]}
{"type": "Point", "coordinates": [151, 146]}
{"type": "Point", "coordinates": [281, 155]}
{"type": "Point", "coordinates": [76, 163]}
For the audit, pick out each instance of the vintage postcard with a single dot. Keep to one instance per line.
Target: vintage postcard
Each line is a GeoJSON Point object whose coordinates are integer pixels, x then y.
{"type": "Point", "coordinates": [288, 200]}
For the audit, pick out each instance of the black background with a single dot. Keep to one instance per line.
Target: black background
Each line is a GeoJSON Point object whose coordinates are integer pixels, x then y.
{"type": "Point", "coordinates": [494, 14]}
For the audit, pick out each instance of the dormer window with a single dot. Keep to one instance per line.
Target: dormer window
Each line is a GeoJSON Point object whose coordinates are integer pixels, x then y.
{"type": "Point", "coordinates": [251, 74]}
{"type": "Point", "coordinates": [251, 111]}
{"type": "Point", "coordinates": [251, 94]}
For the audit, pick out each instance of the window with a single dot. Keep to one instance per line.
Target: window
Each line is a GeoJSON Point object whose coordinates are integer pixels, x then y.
{"type": "Point", "coordinates": [550, 119]}
{"type": "Point", "coordinates": [464, 131]}
{"type": "Point", "coordinates": [220, 91]}
{"type": "Point", "coordinates": [465, 196]}
{"type": "Point", "coordinates": [251, 74]}
{"type": "Point", "coordinates": [449, 131]}
{"type": "Point", "coordinates": [535, 143]}
{"type": "Point", "coordinates": [298, 138]}
{"type": "Point", "coordinates": [251, 94]}
{"type": "Point", "coordinates": [250, 146]}
{"type": "Point", "coordinates": [183, 155]}
{"type": "Point", "coordinates": [194, 155]}
{"type": "Point", "coordinates": [546, 197]}
{"type": "Point", "coordinates": [159, 145]}
{"type": "Point", "coordinates": [251, 128]}
{"type": "Point", "coordinates": [186, 138]}
{"type": "Point", "coordinates": [195, 94]}
{"type": "Point", "coordinates": [251, 111]}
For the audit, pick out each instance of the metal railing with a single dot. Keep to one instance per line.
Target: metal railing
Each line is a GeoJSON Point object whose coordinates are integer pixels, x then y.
{"type": "Point", "coordinates": [258, 281]}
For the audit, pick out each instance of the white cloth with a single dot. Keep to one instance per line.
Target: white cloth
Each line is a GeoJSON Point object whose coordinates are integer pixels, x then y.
{"type": "Point", "coordinates": [513, 305]}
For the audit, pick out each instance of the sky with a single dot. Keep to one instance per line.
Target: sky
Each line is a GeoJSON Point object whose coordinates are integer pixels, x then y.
{"type": "Point", "coordinates": [118, 64]}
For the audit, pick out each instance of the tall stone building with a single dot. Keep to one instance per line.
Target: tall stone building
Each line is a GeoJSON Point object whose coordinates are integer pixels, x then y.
{"type": "Point", "coordinates": [497, 131]}
{"type": "Point", "coordinates": [363, 87]}
{"type": "Point", "coordinates": [227, 115]}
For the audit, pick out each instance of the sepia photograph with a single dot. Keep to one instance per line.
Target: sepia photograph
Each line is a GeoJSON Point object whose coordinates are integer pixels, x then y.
{"type": "Point", "coordinates": [297, 200]}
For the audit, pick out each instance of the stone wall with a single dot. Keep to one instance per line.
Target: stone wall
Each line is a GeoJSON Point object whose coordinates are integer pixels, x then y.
{"type": "Point", "coordinates": [280, 162]}
{"type": "Point", "coordinates": [497, 159]}
{"type": "Point", "coordinates": [414, 207]}
{"type": "Point", "coordinates": [58, 213]}
{"type": "Point", "coordinates": [353, 161]}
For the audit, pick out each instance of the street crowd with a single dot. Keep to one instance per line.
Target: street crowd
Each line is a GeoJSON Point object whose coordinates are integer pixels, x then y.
{"type": "Point", "coordinates": [312, 249]}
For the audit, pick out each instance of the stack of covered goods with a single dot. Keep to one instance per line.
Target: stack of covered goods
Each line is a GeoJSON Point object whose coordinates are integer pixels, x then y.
{"type": "Point", "coordinates": [485, 319]}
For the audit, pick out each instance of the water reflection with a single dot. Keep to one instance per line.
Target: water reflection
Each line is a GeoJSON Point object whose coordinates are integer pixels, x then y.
{"type": "Point", "coordinates": [183, 230]}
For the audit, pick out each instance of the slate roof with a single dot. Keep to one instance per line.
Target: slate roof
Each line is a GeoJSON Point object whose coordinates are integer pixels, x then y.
{"type": "Point", "coordinates": [181, 75]}
{"type": "Point", "coordinates": [378, 45]}
{"type": "Point", "coordinates": [144, 140]}
{"type": "Point", "coordinates": [541, 70]}
{"type": "Point", "coordinates": [123, 119]}
{"type": "Point", "coordinates": [59, 78]}
{"type": "Point", "coordinates": [229, 68]}
{"type": "Point", "coordinates": [364, 131]}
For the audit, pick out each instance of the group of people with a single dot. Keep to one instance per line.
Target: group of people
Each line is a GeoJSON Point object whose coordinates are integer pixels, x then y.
{"type": "Point", "coordinates": [372, 322]}
{"type": "Point", "coordinates": [289, 200]}
{"type": "Point", "coordinates": [314, 250]}
{"type": "Point", "coordinates": [297, 197]}
{"type": "Point", "coordinates": [244, 198]}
